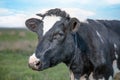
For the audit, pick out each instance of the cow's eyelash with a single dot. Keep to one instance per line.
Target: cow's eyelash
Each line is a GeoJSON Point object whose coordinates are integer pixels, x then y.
{"type": "Point", "coordinates": [57, 35]}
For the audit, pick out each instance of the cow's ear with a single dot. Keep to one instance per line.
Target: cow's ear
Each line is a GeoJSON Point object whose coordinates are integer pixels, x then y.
{"type": "Point", "coordinates": [74, 24]}
{"type": "Point", "coordinates": [35, 25]}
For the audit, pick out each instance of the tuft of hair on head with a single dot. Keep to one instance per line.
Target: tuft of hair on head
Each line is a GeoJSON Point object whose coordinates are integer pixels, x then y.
{"type": "Point", "coordinates": [55, 12]}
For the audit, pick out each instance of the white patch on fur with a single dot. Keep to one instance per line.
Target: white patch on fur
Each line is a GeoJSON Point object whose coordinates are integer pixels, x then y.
{"type": "Point", "coordinates": [49, 21]}
{"type": "Point", "coordinates": [116, 70]}
{"type": "Point", "coordinates": [100, 36]}
{"type": "Point", "coordinates": [83, 77]}
{"type": "Point", "coordinates": [116, 55]}
{"type": "Point", "coordinates": [115, 47]}
{"type": "Point", "coordinates": [71, 75]}
{"type": "Point", "coordinates": [33, 59]}
{"type": "Point", "coordinates": [73, 78]}
{"type": "Point", "coordinates": [102, 79]}
{"type": "Point", "coordinates": [92, 78]}
{"type": "Point", "coordinates": [110, 78]}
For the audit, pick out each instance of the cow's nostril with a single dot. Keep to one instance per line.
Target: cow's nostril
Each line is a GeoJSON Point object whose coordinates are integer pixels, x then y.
{"type": "Point", "coordinates": [38, 63]}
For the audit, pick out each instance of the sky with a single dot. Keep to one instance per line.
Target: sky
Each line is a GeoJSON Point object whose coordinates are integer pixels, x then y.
{"type": "Point", "coordinates": [14, 13]}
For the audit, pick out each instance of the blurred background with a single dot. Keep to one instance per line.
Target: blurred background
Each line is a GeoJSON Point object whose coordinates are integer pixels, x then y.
{"type": "Point", "coordinates": [17, 43]}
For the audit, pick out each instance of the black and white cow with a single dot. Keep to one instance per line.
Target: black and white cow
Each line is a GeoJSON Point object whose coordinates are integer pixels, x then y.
{"type": "Point", "coordinates": [85, 47]}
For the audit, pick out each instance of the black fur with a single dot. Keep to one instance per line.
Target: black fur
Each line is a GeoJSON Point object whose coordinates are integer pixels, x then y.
{"type": "Point", "coordinates": [90, 48]}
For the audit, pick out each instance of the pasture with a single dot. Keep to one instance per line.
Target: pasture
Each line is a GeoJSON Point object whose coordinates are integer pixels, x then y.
{"type": "Point", "coordinates": [16, 45]}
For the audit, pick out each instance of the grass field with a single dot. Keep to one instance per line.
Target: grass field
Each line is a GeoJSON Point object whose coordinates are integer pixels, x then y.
{"type": "Point", "coordinates": [16, 45]}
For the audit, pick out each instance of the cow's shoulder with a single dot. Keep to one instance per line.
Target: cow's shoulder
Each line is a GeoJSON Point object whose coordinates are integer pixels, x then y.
{"type": "Point", "coordinates": [114, 25]}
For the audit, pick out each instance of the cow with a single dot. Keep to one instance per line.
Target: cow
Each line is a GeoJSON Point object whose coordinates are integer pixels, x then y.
{"type": "Point", "coordinates": [90, 47]}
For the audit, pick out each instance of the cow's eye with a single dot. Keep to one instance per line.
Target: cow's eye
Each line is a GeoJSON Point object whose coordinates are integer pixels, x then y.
{"type": "Point", "coordinates": [58, 35]}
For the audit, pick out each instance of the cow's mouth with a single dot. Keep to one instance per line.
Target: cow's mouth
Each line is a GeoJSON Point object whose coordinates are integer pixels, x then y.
{"type": "Point", "coordinates": [36, 66]}
{"type": "Point", "coordinates": [39, 64]}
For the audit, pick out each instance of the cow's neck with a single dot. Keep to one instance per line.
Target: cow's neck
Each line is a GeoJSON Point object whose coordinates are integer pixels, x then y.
{"type": "Point", "coordinates": [76, 62]}
{"type": "Point", "coordinates": [79, 42]}
{"type": "Point", "coordinates": [80, 49]}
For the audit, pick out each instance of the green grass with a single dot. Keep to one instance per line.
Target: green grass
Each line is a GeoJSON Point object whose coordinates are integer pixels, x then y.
{"type": "Point", "coordinates": [16, 34]}
{"type": "Point", "coordinates": [14, 58]}
{"type": "Point", "coordinates": [13, 66]}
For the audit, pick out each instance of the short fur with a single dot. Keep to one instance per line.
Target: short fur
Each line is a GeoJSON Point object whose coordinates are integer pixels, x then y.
{"type": "Point", "coordinates": [83, 47]}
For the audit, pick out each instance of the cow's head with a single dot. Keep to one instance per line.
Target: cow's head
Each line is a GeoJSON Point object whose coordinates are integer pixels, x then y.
{"type": "Point", "coordinates": [57, 45]}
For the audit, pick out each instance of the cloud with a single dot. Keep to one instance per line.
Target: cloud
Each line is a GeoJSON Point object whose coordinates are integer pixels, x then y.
{"type": "Point", "coordinates": [4, 11]}
{"type": "Point", "coordinates": [9, 18]}
{"type": "Point", "coordinates": [81, 2]}
{"type": "Point", "coordinates": [89, 2]}
{"type": "Point", "coordinates": [81, 9]}
{"type": "Point", "coordinates": [13, 18]}
{"type": "Point", "coordinates": [79, 13]}
{"type": "Point", "coordinates": [17, 18]}
{"type": "Point", "coordinates": [113, 1]}
{"type": "Point", "coordinates": [73, 1]}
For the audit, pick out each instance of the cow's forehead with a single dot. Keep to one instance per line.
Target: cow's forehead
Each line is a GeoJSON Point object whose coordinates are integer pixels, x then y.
{"type": "Point", "coordinates": [49, 21]}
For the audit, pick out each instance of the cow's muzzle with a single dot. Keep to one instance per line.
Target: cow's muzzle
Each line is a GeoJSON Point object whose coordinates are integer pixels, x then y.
{"type": "Point", "coordinates": [34, 62]}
